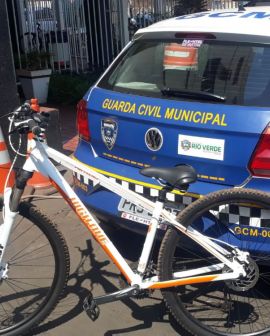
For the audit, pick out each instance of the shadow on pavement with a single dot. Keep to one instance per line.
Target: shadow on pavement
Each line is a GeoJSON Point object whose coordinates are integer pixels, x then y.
{"type": "Point", "coordinates": [90, 272]}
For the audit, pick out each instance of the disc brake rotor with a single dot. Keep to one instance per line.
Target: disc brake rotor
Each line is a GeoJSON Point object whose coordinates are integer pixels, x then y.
{"type": "Point", "coordinates": [244, 283]}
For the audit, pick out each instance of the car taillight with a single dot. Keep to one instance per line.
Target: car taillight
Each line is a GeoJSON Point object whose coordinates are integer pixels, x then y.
{"type": "Point", "coordinates": [82, 120]}
{"type": "Point", "coordinates": [259, 164]}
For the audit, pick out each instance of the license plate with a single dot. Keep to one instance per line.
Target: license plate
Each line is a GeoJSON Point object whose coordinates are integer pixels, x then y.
{"type": "Point", "coordinates": [137, 214]}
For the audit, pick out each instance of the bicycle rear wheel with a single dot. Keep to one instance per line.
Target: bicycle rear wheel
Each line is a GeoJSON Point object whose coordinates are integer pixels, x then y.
{"type": "Point", "coordinates": [38, 270]}
{"type": "Point", "coordinates": [238, 217]}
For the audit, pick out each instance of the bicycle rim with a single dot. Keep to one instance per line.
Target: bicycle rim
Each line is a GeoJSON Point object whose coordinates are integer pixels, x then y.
{"type": "Point", "coordinates": [239, 307]}
{"type": "Point", "coordinates": [32, 277]}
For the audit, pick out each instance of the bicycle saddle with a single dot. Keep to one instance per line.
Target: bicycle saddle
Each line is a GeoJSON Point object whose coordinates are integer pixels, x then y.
{"type": "Point", "coordinates": [177, 177]}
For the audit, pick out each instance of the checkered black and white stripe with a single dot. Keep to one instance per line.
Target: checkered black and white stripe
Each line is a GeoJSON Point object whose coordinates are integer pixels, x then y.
{"type": "Point", "coordinates": [233, 214]}
{"type": "Point", "coordinates": [146, 191]}
{"type": "Point", "coordinates": [243, 215]}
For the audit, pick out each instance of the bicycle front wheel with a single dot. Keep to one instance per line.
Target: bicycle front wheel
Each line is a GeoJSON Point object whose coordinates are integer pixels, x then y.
{"type": "Point", "coordinates": [37, 272]}
{"type": "Point", "coordinates": [240, 217]}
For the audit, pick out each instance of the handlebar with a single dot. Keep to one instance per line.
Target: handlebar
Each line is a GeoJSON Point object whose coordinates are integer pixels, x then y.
{"type": "Point", "coordinates": [27, 118]}
{"type": "Point", "coordinates": [33, 127]}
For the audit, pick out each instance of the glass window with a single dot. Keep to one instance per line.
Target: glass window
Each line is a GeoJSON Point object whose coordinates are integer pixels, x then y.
{"type": "Point", "coordinates": [238, 73]}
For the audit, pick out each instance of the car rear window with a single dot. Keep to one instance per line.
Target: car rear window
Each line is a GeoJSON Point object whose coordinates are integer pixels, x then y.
{"type": "Point", "coordinates": [237, 72]}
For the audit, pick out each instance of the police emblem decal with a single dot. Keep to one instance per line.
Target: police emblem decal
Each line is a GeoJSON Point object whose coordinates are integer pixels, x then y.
{"type": "Point", "coordinates": [109, 129]}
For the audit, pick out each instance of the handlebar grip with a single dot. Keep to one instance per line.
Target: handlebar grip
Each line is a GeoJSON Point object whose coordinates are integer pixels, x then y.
{"type": "Point", "coordinates": [36, 130]}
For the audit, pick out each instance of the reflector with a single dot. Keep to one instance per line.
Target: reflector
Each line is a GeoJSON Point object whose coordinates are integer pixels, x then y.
{"type": "Point", "coordinates": [259, 164]}
{"type": "Point", "coordinates": [82, 120]}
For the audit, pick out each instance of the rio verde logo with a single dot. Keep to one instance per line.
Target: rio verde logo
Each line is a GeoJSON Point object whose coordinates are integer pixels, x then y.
{"type": "Point", "coordinates": [207, 148]}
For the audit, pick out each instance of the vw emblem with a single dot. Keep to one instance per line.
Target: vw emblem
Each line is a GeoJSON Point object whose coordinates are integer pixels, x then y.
{"type": "Point", "coordinates": [109, 130]}
{"type": "Point", "coordinates": [153, 139]}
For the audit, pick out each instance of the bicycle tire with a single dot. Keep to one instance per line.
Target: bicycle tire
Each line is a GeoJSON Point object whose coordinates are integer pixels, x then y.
{"type": "Point", "coordinates": [218, 308]}
{"type": "Point", "coordinates": [28, 265]}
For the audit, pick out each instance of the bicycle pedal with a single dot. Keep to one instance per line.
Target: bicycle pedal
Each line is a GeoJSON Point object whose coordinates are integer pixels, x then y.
{"type": "Point", "coordinates": [91, 308]}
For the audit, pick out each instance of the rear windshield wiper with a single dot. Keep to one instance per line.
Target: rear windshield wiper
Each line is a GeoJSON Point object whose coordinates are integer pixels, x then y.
{"type": "Point", "coordinates": [192, 94]}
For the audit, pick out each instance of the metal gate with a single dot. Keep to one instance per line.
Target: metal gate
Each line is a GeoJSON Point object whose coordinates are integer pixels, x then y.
{"type": "Point", "coordinates": [142, 13]}
{"type": "Point", "coordinates": [81, 35]}
{"type": "Point", "coordinates": [222, 4]}
{"type": "Point", "coordinates": [78, 36]}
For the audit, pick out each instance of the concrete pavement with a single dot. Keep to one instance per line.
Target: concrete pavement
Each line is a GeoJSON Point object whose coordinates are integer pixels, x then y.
{"type": "Point", "coordinates": [91, 269]}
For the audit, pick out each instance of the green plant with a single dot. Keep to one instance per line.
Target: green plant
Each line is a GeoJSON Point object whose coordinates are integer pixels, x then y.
{"type": "Point", "coordinates": [35, 60]}
{"type": "Point", "coordinates": [68, 89]}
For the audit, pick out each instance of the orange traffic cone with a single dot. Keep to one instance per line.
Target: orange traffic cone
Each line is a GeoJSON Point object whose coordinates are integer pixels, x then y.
{"type": "Point", "coordinates": [5, 165]}
{"type": "Point", "coordinates": [37, 181]}
{"type": "Point", "coordinates": [178, 57]}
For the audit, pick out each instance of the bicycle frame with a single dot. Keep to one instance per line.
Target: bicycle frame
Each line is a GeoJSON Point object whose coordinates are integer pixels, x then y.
{"type": "Point", "coordinates": [39, 160]}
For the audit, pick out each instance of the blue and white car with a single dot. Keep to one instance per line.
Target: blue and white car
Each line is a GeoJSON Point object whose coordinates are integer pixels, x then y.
{"type": "Point", "coordinates": [193, 89]}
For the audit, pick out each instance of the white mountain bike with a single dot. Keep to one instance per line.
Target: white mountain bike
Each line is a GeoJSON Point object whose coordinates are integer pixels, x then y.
{"type": "Point", "coordinates": [211, 286]}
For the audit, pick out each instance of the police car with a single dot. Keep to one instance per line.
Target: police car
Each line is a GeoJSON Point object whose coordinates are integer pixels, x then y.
{"type": "Point", "coordinates": [193, 89]}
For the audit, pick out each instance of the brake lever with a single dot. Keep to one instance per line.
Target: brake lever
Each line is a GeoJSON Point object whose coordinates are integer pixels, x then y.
{"type": "Point", "coordinates": [20, 126]}
{"type": "Point", "coordinates": [20, 129]}
{"type": "Point", "coordinates": [12, 132]}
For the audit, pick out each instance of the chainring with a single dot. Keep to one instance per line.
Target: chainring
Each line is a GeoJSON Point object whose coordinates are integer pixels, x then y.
{"type": "Point", "coordinates": [123, 283]}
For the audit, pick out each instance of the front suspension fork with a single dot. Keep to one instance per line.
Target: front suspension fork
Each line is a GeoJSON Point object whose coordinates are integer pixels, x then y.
{"type": "Point", "coordinates": [21, 180]}
{"type": "Point", "coordinates": [12, 198]}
